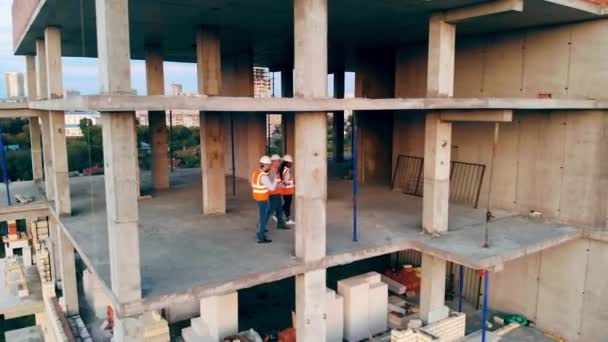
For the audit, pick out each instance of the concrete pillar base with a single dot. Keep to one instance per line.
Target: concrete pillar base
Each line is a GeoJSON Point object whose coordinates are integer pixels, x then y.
{"type": "Point", "coordinates": [311, 301]}
{"type": "Point", "coordinates": [129, 329]}
{"type": "Point", "coordinates": [432, 292]}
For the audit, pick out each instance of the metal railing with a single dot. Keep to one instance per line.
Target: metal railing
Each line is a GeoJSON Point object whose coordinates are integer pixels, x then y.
{"type": "Point", "coordinates": [466, 179]}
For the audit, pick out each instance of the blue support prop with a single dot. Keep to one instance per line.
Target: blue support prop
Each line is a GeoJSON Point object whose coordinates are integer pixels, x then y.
{"type": "Point", "coordinates": [355, 179]}
{"type": "Point", "coordinates": [486, 285]}
{"type": "Point", "coordinates": [4, 168]}
{"type": "Point", "coordinates": [460, 287]}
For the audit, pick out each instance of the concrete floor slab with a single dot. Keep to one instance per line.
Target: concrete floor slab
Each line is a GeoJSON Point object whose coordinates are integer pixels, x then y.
{"type": "Point", "coordinates": [38, 207]}
{"type": "Point", "coordinates": [29, 334]}
{"type": "Point", "coordinates": [11, 305]}
{"type": "Point", "coordinates": [184, 253]}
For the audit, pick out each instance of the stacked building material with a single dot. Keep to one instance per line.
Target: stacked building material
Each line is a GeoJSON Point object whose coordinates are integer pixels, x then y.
{"type": "Point", "coordinates": [446, 330]}
{"type": "Point", "coordinates": [40, 232]}
{"type": "Point", "coordinates": [219, 318]}
{"type": "Point", "coordinates": [156, 328]}
{"type": "Point", "coordinates": [335, 316]}
{"type": "Point", "coordinates": [365, 306]}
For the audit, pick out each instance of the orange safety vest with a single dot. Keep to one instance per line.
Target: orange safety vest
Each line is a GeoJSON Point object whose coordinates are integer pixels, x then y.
{"type": "Point", "coordinates": [289, 189]}
{"type": "Point", "coordinates": [260, 191]}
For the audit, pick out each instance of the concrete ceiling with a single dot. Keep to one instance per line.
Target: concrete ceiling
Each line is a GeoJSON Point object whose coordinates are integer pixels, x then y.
{"type": "Point", "coordinates": [266, 26]}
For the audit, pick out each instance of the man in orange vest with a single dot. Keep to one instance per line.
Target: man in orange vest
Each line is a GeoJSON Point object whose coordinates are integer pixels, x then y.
{"type": "Point", "coordinates": [261, 185]}
{"type": "Point", "coordinates": [289, 189]}
{"type": "Point", "coordinates": [276, 196]}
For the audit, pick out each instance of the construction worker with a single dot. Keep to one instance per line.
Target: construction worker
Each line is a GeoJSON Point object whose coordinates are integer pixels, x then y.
{"type": "Point", "coordinates": [289, 187]}
{"type": "Point", "coordinates": [261, 185]}
{"type": "Point", "coordinates": [276, 195]}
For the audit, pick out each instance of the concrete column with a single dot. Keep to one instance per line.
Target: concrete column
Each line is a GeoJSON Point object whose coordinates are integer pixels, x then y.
{"type": "Point", "coordinates": [288, 118]}
{"type": "Point", "coordinates": [36, 149]}
{"type": "Point", "coordinates": [120, 171]}
{"type": "Point", "coordinates": [41, 90]}
{"type": "Point", "coordinates": [213, 125]}
{"type": "Point", "coordinates": [437, 145]}
{"type": "Point", "coordinates": [59, 154]}
{"type": "Point", "coordinates": [35, 142]}
{"type": "Point", "coordinates": [338, 117]}
{"type": "Point", "coordinates": [68, 273]}
{"type": "Point", "coordinates": [220, 315]}
{"type": "Point", "coordinates": [159, 135]}
{"type": "Point", "coordinates": [113, 46]}
{"type": "Point", "coordinates": [30, 76]}
{"type": "Point", "coordinates": [310, 61]}
{"type": "Point", "coordinates": [432, 291]}
{"type": "Point", "coordinates": [47, 156]}
{"type": "Point", "coordinates": [442, 44]}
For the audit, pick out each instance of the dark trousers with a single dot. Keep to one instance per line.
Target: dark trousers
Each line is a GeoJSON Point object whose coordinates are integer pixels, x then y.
{"type": "Point", "coordinates": [264, 212]}
{"type": "Point", "coordinates": [276, 208]}
{"type": "Point", "coordinates": [287, 206]}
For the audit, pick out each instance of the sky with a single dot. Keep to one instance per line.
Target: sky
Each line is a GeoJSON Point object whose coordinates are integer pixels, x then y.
{"type": "Point", "coordinates": [81, 74]}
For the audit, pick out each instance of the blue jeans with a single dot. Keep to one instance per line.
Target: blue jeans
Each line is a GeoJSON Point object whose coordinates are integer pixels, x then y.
{"type": "Point", "coordinates": [276, 208]}
{"type": "Point", "coordinates": [264, 212]}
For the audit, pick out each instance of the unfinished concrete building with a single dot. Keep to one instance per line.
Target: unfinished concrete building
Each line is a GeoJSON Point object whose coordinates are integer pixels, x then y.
{"type": "Point", "coordinates": [480, 139]}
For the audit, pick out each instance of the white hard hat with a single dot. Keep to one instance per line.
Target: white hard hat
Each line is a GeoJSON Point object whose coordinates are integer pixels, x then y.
{"type": "Point", "coordinates": [288, 158]}
{"type": "Point", "coordinates": [265, 160]}
{"type": "Point", "coordinates": [275, 157]}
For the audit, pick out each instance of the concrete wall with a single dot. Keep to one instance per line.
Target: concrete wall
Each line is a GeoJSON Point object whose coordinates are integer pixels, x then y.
{"type": "Point", "coordinates": [374, 79]}
{"type": "Point", "coordinates": [562, 289]}
{"type": "Point", "coordinates": [565, 61]}
{"type": "Point", "coordinates": [555, 162]}
{"type": "Point", "coordinates": [249, 128]}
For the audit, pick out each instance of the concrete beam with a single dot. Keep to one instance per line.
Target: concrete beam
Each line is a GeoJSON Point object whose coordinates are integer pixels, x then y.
{"type": "Point", "coordinates": [159, 134]}
{"type": "Point", "coordinates": [30, 76]}
{"type": "Point", "coordinates": [120, 103]}
{"type": "Point", "coordinates": [213, 125]}
{"type": "Point", "coordinates": [487, 8]}
{"type": "Point", "coordinates": [41, 86]}
{"type": "Point", "coordinates": [432, 290]}
{"type": "Point", "coordinates": [501, 115]}
{"type": "Point", "coordinates": [68, 273]}
{"type": "Point", "coordinates": [310, 62]}
{"type": "Point", "coordinates": [59, 154]}
{"type": "Point", "coordinates": [36, 149]}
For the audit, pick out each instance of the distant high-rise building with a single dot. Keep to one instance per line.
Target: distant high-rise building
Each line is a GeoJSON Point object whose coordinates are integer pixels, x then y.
{"type": "Point", "coordinates": [14, 84]}
{"type": "Point", "coordinates": [70, 93]}
{"type": "Point", "coordinates": [176, 89]}
{"type": "Point", "coordinates": [262, 82]}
